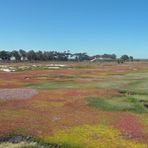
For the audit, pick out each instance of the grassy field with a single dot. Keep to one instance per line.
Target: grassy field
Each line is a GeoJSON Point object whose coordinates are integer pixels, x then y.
{"type": "Point", "coordinates": [74, 105]}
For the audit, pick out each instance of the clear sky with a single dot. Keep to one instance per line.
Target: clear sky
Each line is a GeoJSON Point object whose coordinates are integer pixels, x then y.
{"type": "Point", "coordinates": [92, 26]}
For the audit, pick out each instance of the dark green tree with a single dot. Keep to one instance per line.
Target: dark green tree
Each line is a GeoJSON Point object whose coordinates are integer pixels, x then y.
{"type": "Point", "coordinates": [31, 55]}
{"type": "Point", "coordinates": [16, 54]}
{"type": "Point", "coordinates": [5, 55]}
{"type": "Point", "coordinates": [23, 54]}
{"type": "Point", "coordinates": [39, 56]}
{"type": "Point", "coordinates": [131, 58]}
{"type": "Point", "coordinates": [81, 56]}
{"type": "Point", "coordinates": [125, 57]}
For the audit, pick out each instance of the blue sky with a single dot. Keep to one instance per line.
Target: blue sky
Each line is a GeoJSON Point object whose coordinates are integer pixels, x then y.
{"type": "Point", "coordinates": [92, 26]}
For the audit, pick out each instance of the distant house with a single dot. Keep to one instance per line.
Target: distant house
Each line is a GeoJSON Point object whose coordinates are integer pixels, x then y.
{"type": "Point", "coordinates": [71, 57]}
{"type": "Point", "coordinates": [12, 58]}
{"type": "Point", "coordinates": [96, 59]}
{"type": "Point", "coordinates": [93, 60]}
{"type": "Point", "coordinates": [24, 59]}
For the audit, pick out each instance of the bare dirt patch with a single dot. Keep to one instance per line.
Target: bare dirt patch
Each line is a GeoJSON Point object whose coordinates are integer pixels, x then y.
{"type": "Point", "coordinates": [17, 93]}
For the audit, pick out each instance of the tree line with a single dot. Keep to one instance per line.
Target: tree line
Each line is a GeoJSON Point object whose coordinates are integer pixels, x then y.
{"type": "Point", "coordinates": [31, 55]}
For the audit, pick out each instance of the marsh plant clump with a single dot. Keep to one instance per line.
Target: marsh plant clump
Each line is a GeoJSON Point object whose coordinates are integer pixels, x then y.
{"type": "Point", "coordinates": [130, 104]}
